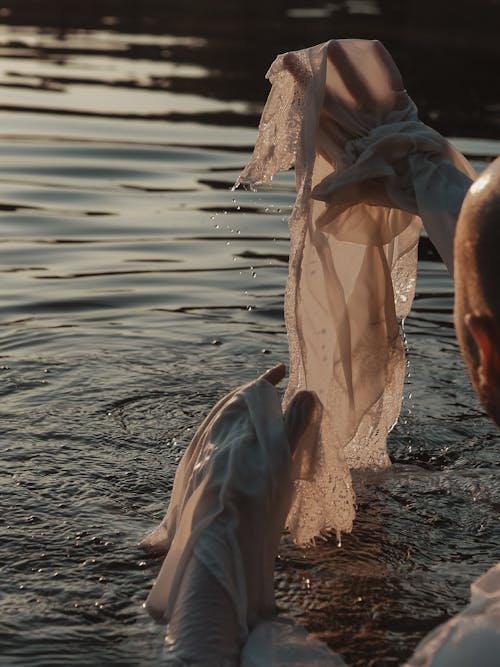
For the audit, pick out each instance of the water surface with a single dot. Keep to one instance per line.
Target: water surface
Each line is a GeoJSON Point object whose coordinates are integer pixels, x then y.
{"type": "Point", "coordinates": [137, 289]}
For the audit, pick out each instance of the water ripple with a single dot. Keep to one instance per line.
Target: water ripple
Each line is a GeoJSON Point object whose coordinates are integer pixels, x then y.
{"type": "Point", "coordinates": [136, 289]}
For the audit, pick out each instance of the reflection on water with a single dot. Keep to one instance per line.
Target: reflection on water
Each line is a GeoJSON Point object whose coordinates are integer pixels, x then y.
{"type": "Point", "coordinates": [136, 289]}
{"type": "Point", "coordinates": [448, 56]}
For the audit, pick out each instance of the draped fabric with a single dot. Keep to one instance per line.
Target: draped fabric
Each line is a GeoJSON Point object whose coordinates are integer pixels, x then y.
{"type": "Point", "coordinates": [368, 173]}
{"type": "Point", "coordinates": [471, 637]}
{"type": "Point", "coordinates": [227, 512]}
{"type": "Point", "coordinates": [283, 643]}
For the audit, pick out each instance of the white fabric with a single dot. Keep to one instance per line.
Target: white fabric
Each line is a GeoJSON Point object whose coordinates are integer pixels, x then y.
{"type": "Point", "coordinates": [470, 639]}
{"type": "Point", "coordinates": [282, 643]}
{"type": "Point", "coordinates": [231, 495]}
{"type": "Point", "coordinates": [367, 173]}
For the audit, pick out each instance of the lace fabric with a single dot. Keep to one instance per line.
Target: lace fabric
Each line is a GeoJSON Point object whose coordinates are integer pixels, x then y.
{"type": "Point", "coordinates": [368, 174]}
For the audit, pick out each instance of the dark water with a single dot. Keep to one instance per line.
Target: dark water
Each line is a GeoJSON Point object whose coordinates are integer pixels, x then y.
{"type": "Point", "coordinates": [137, 289]}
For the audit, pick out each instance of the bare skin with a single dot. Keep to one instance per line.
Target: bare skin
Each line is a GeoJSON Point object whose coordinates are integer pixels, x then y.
{"type": "Point", "coordinates": [477, 302]}
{"type": "Point", "coordinates": [298, 413]}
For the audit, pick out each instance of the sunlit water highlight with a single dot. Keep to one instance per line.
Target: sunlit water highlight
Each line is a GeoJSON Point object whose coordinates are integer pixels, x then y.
{"type": "Point", "coordinates": [136, 290]}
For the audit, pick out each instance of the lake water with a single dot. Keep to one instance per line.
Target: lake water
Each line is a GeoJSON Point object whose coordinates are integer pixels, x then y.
{"type": "Point", "coordinates": [137, 289]}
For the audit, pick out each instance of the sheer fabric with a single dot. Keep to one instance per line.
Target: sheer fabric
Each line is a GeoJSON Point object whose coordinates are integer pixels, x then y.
{"type": "Point", "coordinates": [227, 512]}
{"type": "Point", "coordinates": [368, 173]}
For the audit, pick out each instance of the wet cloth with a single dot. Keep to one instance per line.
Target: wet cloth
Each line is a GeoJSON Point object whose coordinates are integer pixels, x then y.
{"type": "Point", "coordinates": [230, 499]}
{"type": "Point", "coordinates": [368, 173]}
{"type": "Point", "coordinates": [470, 639]}
{"type": "Point", "coordinates": [283, 643]}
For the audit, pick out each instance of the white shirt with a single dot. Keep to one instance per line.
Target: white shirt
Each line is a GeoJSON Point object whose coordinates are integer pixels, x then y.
{"type": "Point", "coordinates": [471, 638]}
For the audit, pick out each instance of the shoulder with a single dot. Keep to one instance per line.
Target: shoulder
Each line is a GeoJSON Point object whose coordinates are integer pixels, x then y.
{"type": "Point", "coordinates": [470, 638]}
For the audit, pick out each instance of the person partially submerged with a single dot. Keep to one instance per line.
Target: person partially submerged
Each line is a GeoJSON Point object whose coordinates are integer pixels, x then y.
{"type": "Point", "coordinates": [231, 495]}
{"type": "Point", "coordinates": [216, 589]}
{"type": "Point", "coordinates": [368, 172]}
{"type": "Point", "coordinates": [472, 638]}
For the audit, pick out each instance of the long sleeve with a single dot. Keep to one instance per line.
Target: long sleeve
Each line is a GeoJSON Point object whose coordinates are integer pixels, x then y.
{"type": "Point", "coordinates": [471, 638]}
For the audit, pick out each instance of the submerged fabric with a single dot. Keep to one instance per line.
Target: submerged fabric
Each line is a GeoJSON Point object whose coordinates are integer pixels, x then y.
{"type": "Point", "coordinates": [231, 495]}
{"type": "Point", "coordinates": [470, 639]}
{"type": "Point", "coordinates": [368, 173]}
{"type": "Point", "coordinates": [282, 643]}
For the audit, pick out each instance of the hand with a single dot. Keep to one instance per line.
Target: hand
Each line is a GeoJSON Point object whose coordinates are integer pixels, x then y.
{"type": "Point", "coordinates": [275, 375]}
